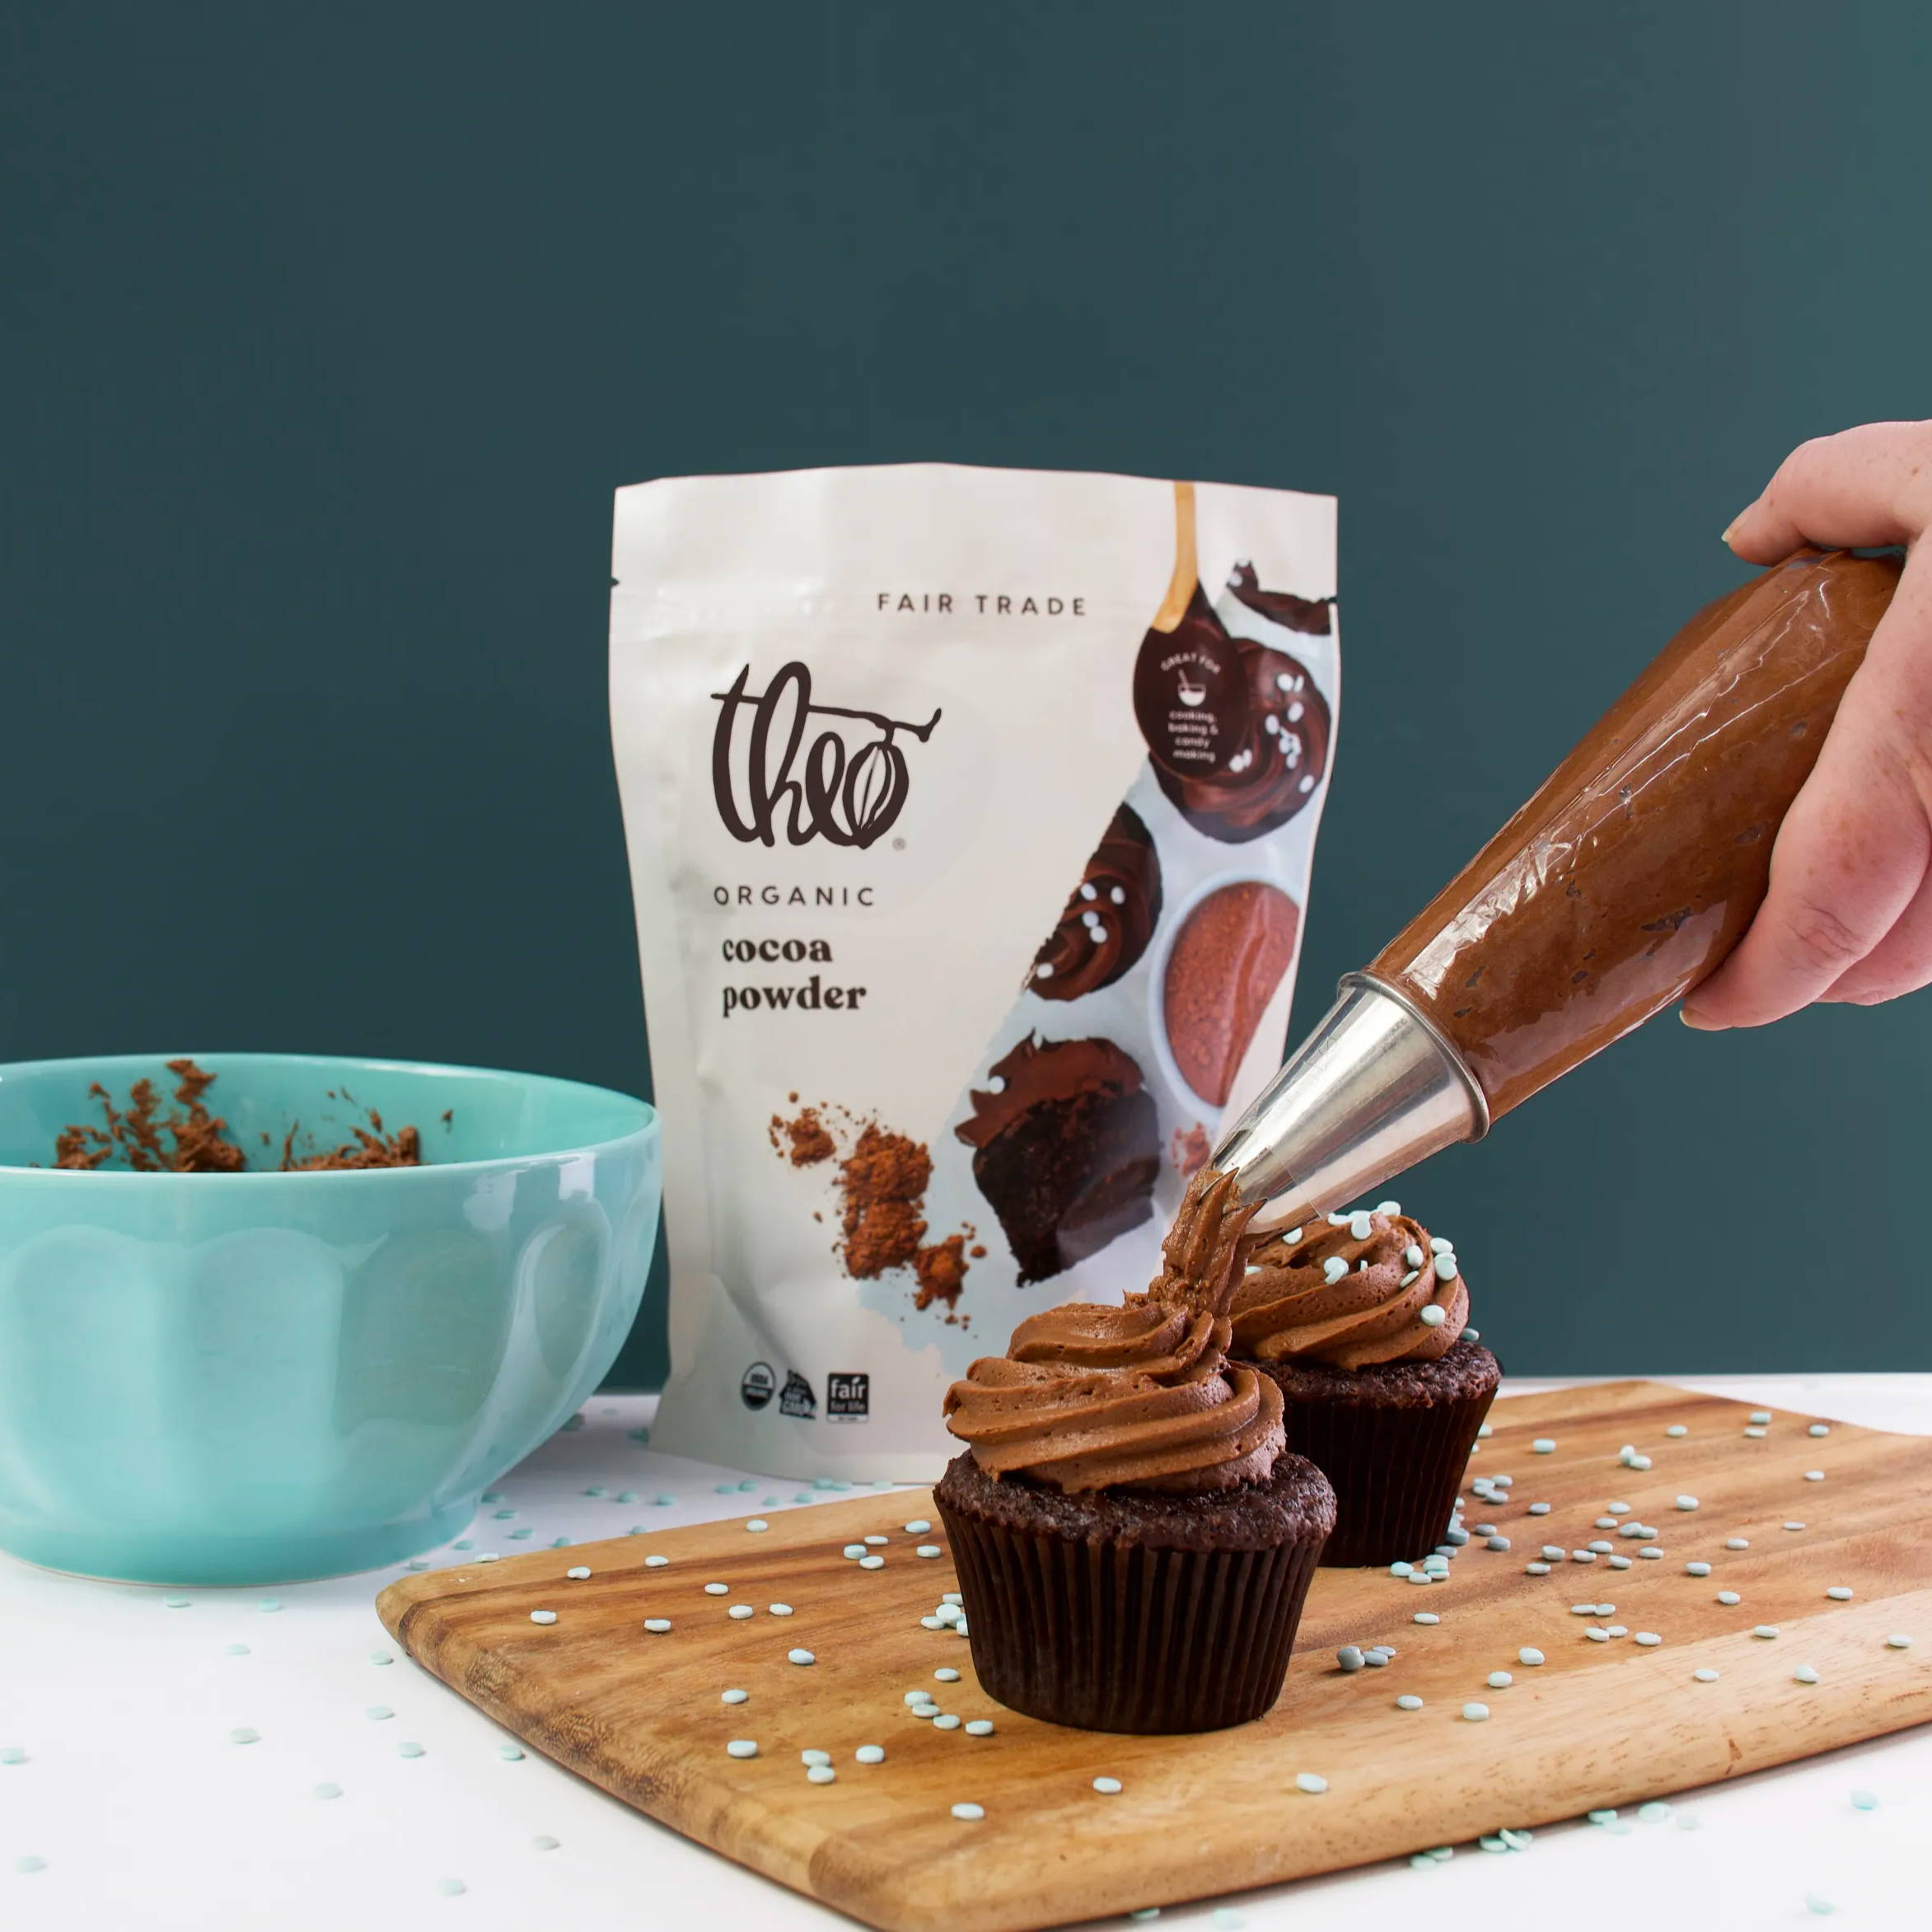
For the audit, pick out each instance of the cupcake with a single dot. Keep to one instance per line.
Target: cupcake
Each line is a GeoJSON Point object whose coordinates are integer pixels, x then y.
{"type": "Point", "coordinates": [1360, 1320]}
{"type": "Point", "coordinates": [1134, 1542]}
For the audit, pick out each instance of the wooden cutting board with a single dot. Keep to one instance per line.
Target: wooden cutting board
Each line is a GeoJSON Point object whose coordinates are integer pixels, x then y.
{"type": "Point", "coordinates": [1598, 1724]}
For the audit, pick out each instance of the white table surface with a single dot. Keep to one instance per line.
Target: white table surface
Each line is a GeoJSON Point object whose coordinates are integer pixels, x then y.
{"type": "Point", "coordinates": [146, 1814]}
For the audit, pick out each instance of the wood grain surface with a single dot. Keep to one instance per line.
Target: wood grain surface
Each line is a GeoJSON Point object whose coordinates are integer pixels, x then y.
{"type": "Point", "coordinates": [1598, 1724]}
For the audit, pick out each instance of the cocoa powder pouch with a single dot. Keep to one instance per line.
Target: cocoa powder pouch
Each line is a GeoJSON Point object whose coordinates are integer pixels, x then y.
{"type": "Point", "coordinates": [970, 814]}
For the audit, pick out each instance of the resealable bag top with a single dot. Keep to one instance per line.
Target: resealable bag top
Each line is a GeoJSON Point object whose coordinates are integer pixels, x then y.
{"type": "Point", "coordinates": [970, 814]}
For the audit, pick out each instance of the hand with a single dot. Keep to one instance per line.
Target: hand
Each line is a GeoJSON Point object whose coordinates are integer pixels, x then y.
{"type": "Point", "coordinates": [1849, 913]}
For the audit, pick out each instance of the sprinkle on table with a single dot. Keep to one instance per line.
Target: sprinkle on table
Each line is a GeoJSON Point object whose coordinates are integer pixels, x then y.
{"type": "Point", "coordinates": [1108, 1787]}
{"type": "Point", "coordinates": [1676, 1428]}
{"type": "Point", "coordinates": [542, 1617]}
{"type": "Point", "coordinates": [1839, 1593]}
{"type": "Point", "coordinates": [1313, 1782]}
{"type": "Point", "coordinates": [1409, 1701]}
{"type": "Point", "coordinates": [1814, 1476]}
{"type": "Point", "coordinates": [1529, 1655]}
{"type": "Point", "coordinates": [1819, 1428]}
{"type": "Point", "coordinates": [980, 1727]}
{"type": "Point", "coordinates": [871, 1562]}
{"type": "Point", "coordinates": [969, 1813]}
{"type": "Point", "coordinates": [741, 1747]}
{"type": "Point", "coordinates": [1704, 1674]}
{"type": "Point", "coordinates": [1864, 1801]}
{"type": "Point", "coordinates": [1737, 1542]}
{"type": "Point", "coordinates": [1543, 1446]}
{"type": "Point", "coordinates": [821, 1774]}
{"type": "Point", "coordinates": [757, 1523]}
{"type": "Point", "coordinates": [1794, 1525]}
{"type": "Point", "coordinates": [718, 1589]}
{"type": "Point", "coordinates": [576, 1573]}
{"type": "Point", "coordinates": [927, 1549]}
{"type": "Point", "coordinates": [1686, 1502]}
{"type": "Point", "coordinates": [1696, 1569]}
{"type": "Point", "coordinates": [732, 1696]}
{"type": "Point", "coordinates": [1729, 1598]}
{"type": "Point", "coordinates": [1499, 1680]}
{"type": "Point", "coordinates": [871, 1754]}
{"type": "Point", "coordinates": [739, 1611]}
{"type": "Point", "coordinates": [1898, 1641]}
{"type": "Point", "coordinates": [1426, 1617]}
{"type": "Point", "coordinates": [1804, 1674]}
{"type": "Point", "coordinates": [777, 1609]}
{"type": "Point", "coordinates": [656, 1562]}
{"type": "Point", "coordinates": [657, 1625]}
{"type": "Point", "coordinates": [800, 1657]}
{"type": "Point", "coordinates": [1649, 1639]}
{"type": "Point", "coordinates": [1765, 1629]}
{"type": "Point", "coordinates": [1476, 1713]}
{"type": "Point", "coordinates": [945, 1674]}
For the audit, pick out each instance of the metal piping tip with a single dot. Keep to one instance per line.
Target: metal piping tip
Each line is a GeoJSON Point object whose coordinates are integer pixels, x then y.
{"type": "Point", "coordinates": [1373, 1090]}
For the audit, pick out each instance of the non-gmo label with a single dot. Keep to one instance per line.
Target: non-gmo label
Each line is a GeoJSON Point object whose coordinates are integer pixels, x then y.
{"type": "Point", "coordinates": [847, 1398]}
{"type": "Point", "coordinates": [759, 1384]}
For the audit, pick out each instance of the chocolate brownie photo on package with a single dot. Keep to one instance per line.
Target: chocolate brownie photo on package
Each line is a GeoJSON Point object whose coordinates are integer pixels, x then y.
{"type": "Point", "coordinates": [970, 814]}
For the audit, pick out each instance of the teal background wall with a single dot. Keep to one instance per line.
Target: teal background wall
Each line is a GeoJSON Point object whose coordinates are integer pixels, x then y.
{"type": "Point", "coordinates": [329, 332]}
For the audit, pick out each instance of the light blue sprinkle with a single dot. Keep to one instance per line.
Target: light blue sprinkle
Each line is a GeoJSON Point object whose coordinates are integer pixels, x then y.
{"type": "Point", "coordinates": [1804, 1674]}
{"type": "Point", "coordinates": [1361, 1227]}
{"type": "Point", "coordinates": [450, 1888]}
{"type": "Point", "coordinates": [1400, 1568]}
{"type": "Point", "coordinates": [502, 1515]}
{"type": "Point", "coordinates": [800, 1657]}
{"type": "Point", "coordinates": [1226, 1919]}
{"type": "Point", "coordinates": [1761, 1415]}
{"type": "Point", "coordinates": [1529, 1655]}
{"type": "Point", "coordinates": [1737, 1542]}
{"type": "Point", "coordinates": [1696, 1569]}
{"type": "Point", "coordinates": [663, 1502]}
{"type": "Point", "coordinates": [596, 1490]}
{"type": "Point", "coordinates": [1362, 1265]}
{"type": "Point", "coordinates": [1349, 1658]}
{"type": "Point", "coordinates": [732, 1696]}
{"type": "Point", "coordinates": [1765, 1629]}
{"type": "Point", "coordinates": [381, 1656]}
{"type": "Point", "coordinates": [1499, 1680]}
{"type": "Point", "coordinates": [1418, 1576]}
{"type": "Point", "coordinates": [518, 1535]}
{"type": "Point", "coordinates": [562, 1542]}
{"type": "Point", "coordinates": [542, 1617]}
{"type": "Point", "coordinates": [1334, 1268]}
{"type": "Point", "coordinates": [509, 1753]}
{"type": "Point", "coordinates": [376, 1713]}
{"type": "Point", "coordinates": [1391, 1208]}
{"type": "Point", "coordinates": [1426, 1617]}
{"type": "Point", "coordinates": [627, 1495]}
{"type": "Point", "coordinates": [1472, 1334]}
{"type": "Point", "coordinates": [1408, 1278]}
{"type": "Point", "coordinates": [238, 1650]}
{"type": "Point", "coordinates": [30, 1862]}
{"type": "Point", "coordinates": [1476, 1713]}
{"type": "Point", "coordinates": [1496, 1542]}
{"type": "Point", "coordinates": [1445, 1267]}
{"type": "Point", "coordinates": [1455, 1536]}
{"type": "Point", "coordinates": [638, 1435]}
{"type": "Point", "coordinates": [1822, 1907]}
{"type": "Point", "coordinates": [1432, 1316]}
{"type": "Point", "coordinates": [326, 1791]}
{"type": "Point", "coordinates": [969, 1813]}
{"type": "Point", "coordinates": [757, 1523]}
{"type": "Point", "coordinates": [750, 1482]}
{"type": "Point", "coordinates": [1618, 1562]}
{"type": "Point", "coordinates": [241, 1734]}
{"type": "Point", "coordinates": [803, 1496]}
{"type": "Point", "coordinates": [1313, 1782]}
{"type": "Point", "coordinates": [1686, 1502]}
{"type": "Point", "coordinates": [1409, 1701]}
{"type": "Point", "coordinates": [409, 1751]}
{"type": "Point", "coordinates": [726, 1489]}
{"type": "Point", "coordinates": [1607, 1816]}
{"type": "Point", "coordinates": [1864, 1800]}
{"type": "Point", "coordinates": [1543, 1446]}
{"type": "Point", "coordinates": [492, 1496]}
{"type": "Point", "coordinates": [1839, 1593]}
{"type": "Point", "coordinates": [1819, 1428]}
{"type": "Point", "coordinates": [1654, 1813]}
{"type": "Point", "coordinates": [1541, 1568]}
{"type": "Point", "coordinates": [174, 1603]}
{"type": "Point", "coordinates": [1441, 1244]}
{"type": "Point", "coordinates": [1898, 1642]}
{"type": "Point", "coordinates": [1552, 1554]}
{"type": "Point", "coordinates": [543, 1842]}
{"type": "Point", "coordinates": [1676, 1428]}
{"type": "Point", "coordinates": [1412, 1256]}
{"type": "Point", "coordinates": [1729, 1596]}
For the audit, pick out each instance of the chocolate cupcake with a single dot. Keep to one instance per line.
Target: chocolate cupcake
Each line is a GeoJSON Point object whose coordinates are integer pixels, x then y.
{"type": "Point", "coordinates": [1361, 1321]}
{"type": "Point", "coordinates": [1065, 1149]}
{"type": "Point", "coordinates": [1109, 919]}
{"type": "Point", "coordinates": [1134, 1543]}
{"type": "Point", "coordinates": [1268, 765]}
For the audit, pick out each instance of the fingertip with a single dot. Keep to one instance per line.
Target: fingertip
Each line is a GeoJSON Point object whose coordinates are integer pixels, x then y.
{"type": "Point", "coordinates": [1699, 1022]}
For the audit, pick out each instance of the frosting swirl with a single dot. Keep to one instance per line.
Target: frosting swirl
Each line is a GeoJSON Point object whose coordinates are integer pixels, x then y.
{"type": "Point", "coordinates": [1353, 1290]}
{"type": "Point", "coordinates": [1089, 1397]}
{"type": "Point", "coordinates": [1109, 919]}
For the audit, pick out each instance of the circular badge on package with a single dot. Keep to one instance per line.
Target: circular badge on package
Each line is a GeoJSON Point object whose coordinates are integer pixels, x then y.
{"type": "Point", "coordinates": [759, 1384]}
{"type": "Point", "coordinates": [1191, 695]}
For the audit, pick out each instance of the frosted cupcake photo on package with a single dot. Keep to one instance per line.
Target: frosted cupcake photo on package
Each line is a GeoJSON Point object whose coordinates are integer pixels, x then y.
{"type": "Point", "coordinates": [970, 814]}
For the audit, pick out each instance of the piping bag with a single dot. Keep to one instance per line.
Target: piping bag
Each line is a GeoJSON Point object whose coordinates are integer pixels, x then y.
{"type": "Point", "coordinates": [1628, 877]}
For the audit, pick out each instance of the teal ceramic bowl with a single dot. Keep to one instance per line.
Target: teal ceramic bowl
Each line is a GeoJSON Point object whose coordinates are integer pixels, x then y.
{"type": "Point", "coordinates": [258, 1378]}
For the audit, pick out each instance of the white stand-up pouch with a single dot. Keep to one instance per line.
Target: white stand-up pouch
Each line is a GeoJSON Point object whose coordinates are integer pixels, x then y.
{"type": "Point", "coordinates": [970, 814]}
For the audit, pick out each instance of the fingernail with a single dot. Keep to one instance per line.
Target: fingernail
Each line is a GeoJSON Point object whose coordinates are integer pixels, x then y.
{"type": "Point", "coordinates": [1697, 1023]}
{"type": "Point", "coordinates": [1726, 538]}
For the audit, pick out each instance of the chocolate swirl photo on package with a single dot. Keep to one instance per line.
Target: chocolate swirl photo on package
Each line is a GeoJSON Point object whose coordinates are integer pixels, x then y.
{"type": "Point", "coordinates": [971, 815]}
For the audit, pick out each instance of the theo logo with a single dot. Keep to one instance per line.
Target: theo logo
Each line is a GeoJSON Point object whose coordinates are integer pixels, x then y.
{"type": "Point", "coordinates": [848, 783]}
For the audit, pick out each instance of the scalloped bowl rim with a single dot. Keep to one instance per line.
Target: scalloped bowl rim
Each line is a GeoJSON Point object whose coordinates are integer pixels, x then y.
{"type": "Point", "coordinates": [647, 1123]}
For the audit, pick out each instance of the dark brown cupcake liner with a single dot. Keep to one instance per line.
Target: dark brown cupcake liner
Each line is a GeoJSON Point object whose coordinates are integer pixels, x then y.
{"type": "Point", "coordinates": [1397, 1468]}
{"type": "Point", "coordinates": [1110, 1634]}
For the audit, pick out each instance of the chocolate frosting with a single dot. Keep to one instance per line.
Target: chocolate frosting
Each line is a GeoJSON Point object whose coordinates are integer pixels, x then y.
{"type": "Point", "coordinates": [1141, 1396]}
{"type": "Point", "coordinates": [1312, 616]}
{"type": "Point", "coordinates": [1293, 1304]}
{"type": "Point", "coordinates": [1110, 918]}
{"type": "Point", "coordinates": [1038, 1070]}
{"type": "Point", "coordinates": [1275, 768]}
{"type": "Point", "coordinates": [1636, 867]}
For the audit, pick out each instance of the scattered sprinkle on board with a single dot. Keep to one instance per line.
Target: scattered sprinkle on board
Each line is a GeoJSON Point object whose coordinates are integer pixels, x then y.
{"type": "Point", "coordinates": [1596, 1724]}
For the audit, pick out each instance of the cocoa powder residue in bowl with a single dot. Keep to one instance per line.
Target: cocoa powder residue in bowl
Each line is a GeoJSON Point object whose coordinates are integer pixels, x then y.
{"type": "Point", "coordinates": [192, 1140]}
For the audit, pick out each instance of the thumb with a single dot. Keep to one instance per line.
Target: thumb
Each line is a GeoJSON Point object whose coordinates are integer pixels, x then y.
{"type": "Point", "coordinates": [1863, 486]}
